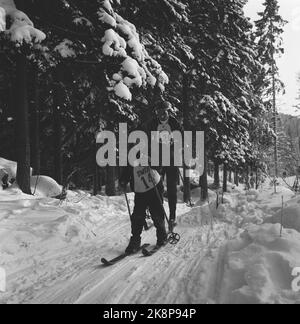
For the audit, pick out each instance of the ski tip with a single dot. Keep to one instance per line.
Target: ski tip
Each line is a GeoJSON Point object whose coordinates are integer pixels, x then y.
{"type": "Point", "coordinates": [106, 262]}
{"type": "Point", "coordinates": [146, 253]}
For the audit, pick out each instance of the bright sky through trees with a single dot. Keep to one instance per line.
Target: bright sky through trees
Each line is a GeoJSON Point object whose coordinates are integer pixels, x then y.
{"type": "Point", "coordinates": [289, 64]}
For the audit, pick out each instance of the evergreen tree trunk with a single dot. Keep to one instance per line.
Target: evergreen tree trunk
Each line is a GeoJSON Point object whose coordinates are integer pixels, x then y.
{"type": "Point", "coordinates": [275, 127]}
{"type": "Point", "coordinates": [217, 175]}
{"type": "Point", "coordinates": [96, 180]}
{"type": "Point", "coordinates": [274, 112]}
{"type": "Point", "coordinates": [236, 178]}
{"type": "Point", "coordinates": [185, 106]}
{"type": "Point", "coordinates": [58, 100]}
{"type": "Point", "coordinates": [186, 186]}
{"type": "Point", "coordinates": [230, 176]}
{"type": "Point", "coordinates": [110, 181]}
{"type": "Point", "coordinates": [247, 178]}
{"type": "Point", "coordinates": [203, 179]}
{"type": "Point", "coordinates": [96, 174]}
{"type": "Point", "coordinates": [22, 125]}
{"type": "Point", "coordinates": [225, 176]}
{"type": "Point", "coordinates": [36, 155]}
{"type": "Point", "coordinates": [110, 186]}
{"type": "Point", "coordinates": [13, 109]}
{"type": "Point", "coordinates": [100, 180]}
{"type": "Point", "coordinates": [210, 170]}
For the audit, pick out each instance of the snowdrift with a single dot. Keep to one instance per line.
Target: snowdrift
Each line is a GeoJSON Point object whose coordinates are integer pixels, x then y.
{"type": "Point", "coordinates": [290, 216]}
{"type": "Point", "coordinates": [10, 167]}
{"type": "Point", "coordinates": [259, 266]}
{"type": "Point", "coordinates": [41, 186]}
{"type": "Point", "coordinates": [31, 226]}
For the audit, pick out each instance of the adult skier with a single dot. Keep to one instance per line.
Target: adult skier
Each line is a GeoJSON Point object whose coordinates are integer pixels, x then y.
{"type": "Point", "coordinates": [148, 188]}
{"type": "Point", "coordinates": [165, 125]}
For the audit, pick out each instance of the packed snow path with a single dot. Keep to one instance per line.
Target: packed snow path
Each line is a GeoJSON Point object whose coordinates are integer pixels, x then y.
{"type": "Point", "coordinates": [69, 270]}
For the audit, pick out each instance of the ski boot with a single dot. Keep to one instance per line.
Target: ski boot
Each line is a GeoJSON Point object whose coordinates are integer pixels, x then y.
{"type": "Point", "coordinates": [133, 246]}
{"type": "Point", "coordinates": [162, 239]}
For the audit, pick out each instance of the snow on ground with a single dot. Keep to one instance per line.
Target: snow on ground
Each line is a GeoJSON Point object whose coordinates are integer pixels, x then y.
{"type": "Point", "coordinates": [258, 266]}
{"type": "Point", "coordinates": [51, 251]}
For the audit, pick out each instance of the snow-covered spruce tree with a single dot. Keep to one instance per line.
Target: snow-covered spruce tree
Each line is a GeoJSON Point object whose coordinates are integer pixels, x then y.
{"type": "Point", "coordinates": [127, 67]}
{"type": "Point", "coordinates": [164, 27]}
{"type": "Point", "coordinates": [269, 40]}
{"type": "Point", "coordinates": [92, 67]}
{"type": "Point", "coordinates": [19, 31]}
{"type": "Point", "coordinates": [225, 61]}
{"type": "Point", "coordinates": [207, 49]}
{"type": "Point", "coordinates": [92, 32]}
{"type": "Point", "coordinates": [298, 95]}
{"type": "Point", "coordinates": [96, 67]}
{"type": "Point", "coordinates": [287, 152]}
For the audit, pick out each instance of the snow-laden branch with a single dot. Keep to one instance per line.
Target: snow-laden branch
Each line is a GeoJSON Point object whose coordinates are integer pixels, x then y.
{"type": "Point", "coordinates": [122, 40]}
{"type": "Point", "coordinates": [21, 28]}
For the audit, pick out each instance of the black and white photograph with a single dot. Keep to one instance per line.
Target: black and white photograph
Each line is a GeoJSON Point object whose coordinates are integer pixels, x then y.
{"type": "Point", "coordinates": [149, 155]}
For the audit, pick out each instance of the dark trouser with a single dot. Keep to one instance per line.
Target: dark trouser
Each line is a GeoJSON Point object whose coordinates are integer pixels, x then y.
{"type": "Point", "coordinates": [172, 174]}
{"type": "Point", "coordinates": [153, 200]}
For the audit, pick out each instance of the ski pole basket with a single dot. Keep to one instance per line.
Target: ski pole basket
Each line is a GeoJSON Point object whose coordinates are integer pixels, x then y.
{"type": "Point", "coordinates": [174, 238]}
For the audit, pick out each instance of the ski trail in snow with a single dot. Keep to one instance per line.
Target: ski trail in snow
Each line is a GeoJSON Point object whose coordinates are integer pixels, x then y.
{"type": "Point", "coordinates": [167, 277]}
{"type": "Point", "coordinates": [94, 275]}
{"type": "Point", "coordinates": [219, 274]}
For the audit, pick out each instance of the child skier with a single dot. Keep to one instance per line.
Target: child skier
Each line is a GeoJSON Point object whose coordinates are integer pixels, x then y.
{"type": "Point", "coordinates": [148, 188]}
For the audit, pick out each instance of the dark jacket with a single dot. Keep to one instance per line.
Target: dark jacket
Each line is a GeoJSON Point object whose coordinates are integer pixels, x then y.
{"type": "Point", "coordinates": [152, 126]}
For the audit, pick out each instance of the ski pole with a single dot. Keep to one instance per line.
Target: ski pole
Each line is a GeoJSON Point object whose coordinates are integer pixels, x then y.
{"type": "Point", "coordinates": [127, 202]}
{"type": "Point", "coordinates": [36, 183]}
{"type": "Point", "coordinates": [173, 238]}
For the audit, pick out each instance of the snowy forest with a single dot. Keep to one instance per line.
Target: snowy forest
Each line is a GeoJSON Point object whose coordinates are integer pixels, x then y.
{"type": "Point", "coordinates": [87, 65]}
{"type": "Point", "coordinates": [72, 68]}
